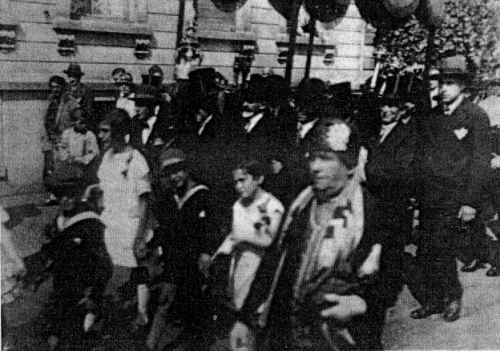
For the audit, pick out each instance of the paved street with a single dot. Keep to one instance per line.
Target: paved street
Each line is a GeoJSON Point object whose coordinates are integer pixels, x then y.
{"type": "Point", "coordinates": [479, 328]}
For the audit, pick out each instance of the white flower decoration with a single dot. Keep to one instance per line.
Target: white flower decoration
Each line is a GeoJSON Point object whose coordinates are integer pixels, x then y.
{"type": "Point", "coordinates": [338, 137]}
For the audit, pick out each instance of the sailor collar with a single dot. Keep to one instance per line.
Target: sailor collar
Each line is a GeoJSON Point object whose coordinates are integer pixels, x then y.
{"type": "Point", "coordinates": [182, 200]}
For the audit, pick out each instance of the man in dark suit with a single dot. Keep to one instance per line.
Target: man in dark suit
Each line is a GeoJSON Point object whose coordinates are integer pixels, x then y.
{"type": "Point", "coordinates": [80, 92]}
{"type": "Point", "coordinates": [148, 130]}
{"type": "Point", "coordinates": [256, 135]}
{"type": "Point", "coordinates": [453, 166]}
{"type": "Point", "coordinates": [390, 177]}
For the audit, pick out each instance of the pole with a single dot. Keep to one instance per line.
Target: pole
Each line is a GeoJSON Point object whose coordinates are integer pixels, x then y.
{"type": "Point", "coordinates": [310, 46]}
{"type": "Point", "coordinates": [292, 34]}
{"type": "Point", "coordinates": [428, 57]}
{"type": "Point", "coordinates": [180, 22]}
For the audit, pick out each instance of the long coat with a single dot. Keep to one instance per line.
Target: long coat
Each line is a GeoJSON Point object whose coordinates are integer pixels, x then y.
{"type": "Point", "coordinates": [390, 170]}
{"type": "Point", "coordinates": [366, 329]}
{"type": "Point", "coordinates": [454, 157]}
{"type": "Point", "coordinates": [390, 177]}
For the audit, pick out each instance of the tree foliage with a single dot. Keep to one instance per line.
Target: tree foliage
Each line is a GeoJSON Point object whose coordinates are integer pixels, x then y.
{"type": "Point", "coordinates": [470, 28]}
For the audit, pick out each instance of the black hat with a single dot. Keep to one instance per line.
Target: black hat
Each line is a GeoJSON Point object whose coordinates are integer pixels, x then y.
{"type": "Point", "coordinates": [155, 71]}
{"type": "Point", "coordinates": [341, 93]}
{"type": "Point", "coordinates": [204, 78]}
{"type": "Point", "coordinates": [118, 70]}
{"type": "Point", "coordinates": [58, 80]}
{"type": "Point", "coordinates": [145, 94]}
{"type": "Point", "coordinates": [277, 89]}
{"type": "Point", "coordinates": [74, 70]}
{"type": "Point", "coordinates": [256, 90]}
{"type": "Point", "coordinates": [310, 92]}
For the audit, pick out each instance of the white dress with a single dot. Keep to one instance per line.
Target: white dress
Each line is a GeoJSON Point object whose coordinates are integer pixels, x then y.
{"type": "Point", "coordinates": [246, 261]}
{"type": "Point", "coordinates": [123, 177]}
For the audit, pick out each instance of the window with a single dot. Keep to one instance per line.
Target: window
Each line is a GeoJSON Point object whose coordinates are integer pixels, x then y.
{"type": "Point", "coordinates": [90, 22]}
{"type": "Point", "coordinates": [110, 8]}
{"type": "Point", "coordinates": [118, 9]}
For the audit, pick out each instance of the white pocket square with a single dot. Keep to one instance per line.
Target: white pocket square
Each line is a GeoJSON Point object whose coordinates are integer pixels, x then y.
{"type": "Point", "coordinates": [461, 133]}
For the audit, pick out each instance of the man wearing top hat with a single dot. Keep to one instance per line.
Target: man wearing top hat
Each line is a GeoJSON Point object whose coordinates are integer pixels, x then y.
{"type": "Point", "coordinates": [390, 174]}
{"type": "Point", "coordinates": [148, 129]}
{"type": "Point", "coordinates": [310, 98]}
{"type": "Point", "coordinates": [453, 165]}
{"type": "Point", "coordinates": [80, 92]}
{"type": "Point", "coordinates": [257, 127]}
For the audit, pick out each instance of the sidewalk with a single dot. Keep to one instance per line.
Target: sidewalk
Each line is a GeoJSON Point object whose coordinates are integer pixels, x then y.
{"type": "Point", "coordinates": [479, 327]}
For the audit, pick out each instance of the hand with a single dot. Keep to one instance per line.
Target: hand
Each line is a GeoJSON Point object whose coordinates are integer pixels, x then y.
{"type": "Point", "coordinates": [495, 161]}
{"type": "Point", "coordinates": [167, 294]}
{"type": "Point", "coordinates": [20, 268]}
{"type": "Point", "coordinates": [140, 248]}
{"type": "Point", "coordinates": [241, 337]}
{"type": "Point", "coordinates": [344, 307]}
{"type": "Point", "coordinates": [467, 213]}
{"type": "Point", "coordinates": [204, 263]}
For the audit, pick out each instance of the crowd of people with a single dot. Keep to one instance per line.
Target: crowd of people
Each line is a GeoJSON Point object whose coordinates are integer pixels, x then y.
{"type": "Point", "coordinates": [261, 217]}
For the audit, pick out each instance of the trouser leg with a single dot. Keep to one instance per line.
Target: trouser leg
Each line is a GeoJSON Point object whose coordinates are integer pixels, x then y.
{"type": "Point", "coordinates": [437, 255]}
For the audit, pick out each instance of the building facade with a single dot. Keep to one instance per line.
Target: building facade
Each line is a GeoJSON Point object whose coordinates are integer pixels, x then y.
{"type": "Point", "coordinates": [39, 38]}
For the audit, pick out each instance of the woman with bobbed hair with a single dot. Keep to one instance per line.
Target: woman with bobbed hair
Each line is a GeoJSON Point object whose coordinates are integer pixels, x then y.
{"type": "Point", "coordinates": [124, 179]}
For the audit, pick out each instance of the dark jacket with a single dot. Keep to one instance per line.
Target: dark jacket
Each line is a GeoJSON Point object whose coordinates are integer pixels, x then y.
{"type": "Point", "coordinates": [80, 257]}
{"type": "Point", "coordinates": [85, 95]}
{"type": "Point", "coordinates": [186, 230]}
{"type": "Point", "coordinates": [366, 329]}
{"type": "Point", "coordinates": [390, 170]}
{"type": "Point", "coordinates": [262, 141]}
{"type": "Point", "coordinates": [455, 152]}
{"type": "Point", "coordinates": [155, 142]}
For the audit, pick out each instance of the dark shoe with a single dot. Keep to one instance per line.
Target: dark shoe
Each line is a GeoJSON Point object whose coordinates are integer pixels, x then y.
{"type": "Point", "coordinates": [493, 272]}
{"type": "Point", "coordinates": [452, 311]}
{"type": "Point", "coordinates": [425, 311]}
{"type": "Point", "coordinates": [473, 266]}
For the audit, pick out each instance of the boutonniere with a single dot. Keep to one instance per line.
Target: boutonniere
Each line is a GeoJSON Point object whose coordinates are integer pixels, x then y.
{"type": "Point", "coordinates": [158, 141]}
{"type": "Point", "coordinates": [461, 133]}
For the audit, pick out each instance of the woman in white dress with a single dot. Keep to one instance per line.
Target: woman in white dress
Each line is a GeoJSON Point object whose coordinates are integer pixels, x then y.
{"type": "Point", "coordinates": [124, 179]}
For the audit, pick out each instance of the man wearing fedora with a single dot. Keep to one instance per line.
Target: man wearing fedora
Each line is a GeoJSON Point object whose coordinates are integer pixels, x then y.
{"type": "Point", "coordinates": [80, 92]}
{"type": "Point", "coordinates": [453, 166]}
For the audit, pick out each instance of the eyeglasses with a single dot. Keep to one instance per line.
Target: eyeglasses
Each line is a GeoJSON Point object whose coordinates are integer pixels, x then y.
{"type": "Point", "coordinates": [105, 130]}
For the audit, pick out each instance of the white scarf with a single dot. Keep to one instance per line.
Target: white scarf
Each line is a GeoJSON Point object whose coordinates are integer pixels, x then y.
{"type": "Point", "coordinates": [333, 243]}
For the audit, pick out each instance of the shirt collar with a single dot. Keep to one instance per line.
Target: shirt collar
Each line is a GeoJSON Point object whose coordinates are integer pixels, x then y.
{"type": "Point", "coordinates": [151, 121]}
{"type": "Point", "coordinates": [204, 124]}
{"type": "Point", "coordinates": [182, 200]}
{"type": "Point", "coordinates": [386, 129]}
{"type": "Point", "coordinates": [253, 122]}
{"type": "Point", "coordinates": [304, 128]}
{"type": "Point", "coordinates": [449, 109]}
